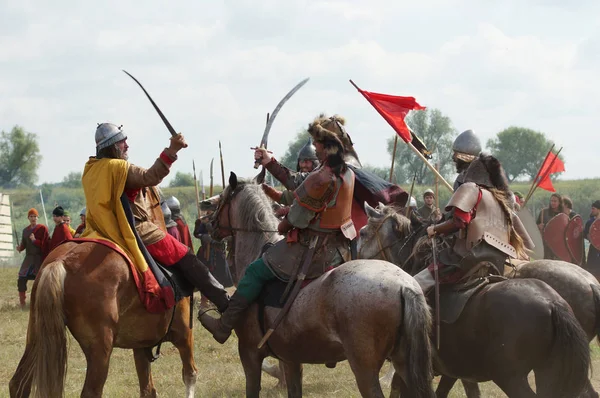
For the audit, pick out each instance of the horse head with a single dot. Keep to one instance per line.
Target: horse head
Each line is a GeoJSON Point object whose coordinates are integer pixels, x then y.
{"type": "Point", "coordinates": [388, 235]}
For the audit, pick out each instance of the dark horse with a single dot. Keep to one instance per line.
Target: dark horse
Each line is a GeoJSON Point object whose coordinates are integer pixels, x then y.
{"type": "Point", "coordinates": [505, 331]}
{"type": "Point", "coordinates": [89, 288]}
{"type": "Point", "coordinates": [364, 311]}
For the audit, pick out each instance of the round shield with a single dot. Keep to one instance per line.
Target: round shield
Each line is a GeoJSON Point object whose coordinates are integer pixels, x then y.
{"type": "Point", "coordinates": [533, 231]}
{"type": "Point", "coordinates": [594, 234]}
{"type": "Point", "coordinates": [574, 239]}
{"type": "Point", "coordinates": [554, 236]}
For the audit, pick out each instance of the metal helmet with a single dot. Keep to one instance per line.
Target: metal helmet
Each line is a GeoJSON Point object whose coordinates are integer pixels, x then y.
{"type": "Point", "coordinates": [108, 134]}
{"type": "Point", "coordinates": [174, 204]}
{"type": "Point", "coordinates": [428, 192]}
{"type": "Point", "coordinates": [167, 215]}
{"type": "Point", "coordinates": [82, 213]}
{"type": "Point", "coordinates": [466, 146]}
{"type": "Point", "coordinates": [308, 152]}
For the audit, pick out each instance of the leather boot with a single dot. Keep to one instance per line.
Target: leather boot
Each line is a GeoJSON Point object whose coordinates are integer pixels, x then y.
{"type": "Point", "coordinates": [23, 299]}
{"type": "Point", "coordinates": [198, 275]}
{"type": "Point", "coordinates": [221, 327]}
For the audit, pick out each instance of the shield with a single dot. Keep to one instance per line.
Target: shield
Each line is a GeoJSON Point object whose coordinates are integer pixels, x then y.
{"type": "Point", "coordinates": [532, 229]}
{"type": "Point", "coordinates": [594, 234]}
{"type": "Point", "coordinates": [554, 236]}
{"type": "Point", "coordinates": [574, 239]}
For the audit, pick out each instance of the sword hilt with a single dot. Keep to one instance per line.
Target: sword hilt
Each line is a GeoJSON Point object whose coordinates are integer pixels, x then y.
{"type": "Point", "coordinates": [257, 162]}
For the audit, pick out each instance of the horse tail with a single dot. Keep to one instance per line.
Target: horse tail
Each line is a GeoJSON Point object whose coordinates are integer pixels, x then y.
{"type": "Point", "coordinates": [415, 330]}
{"type": "Point", "coordinates": [596, 293]}
{"type": "Point", "coordinates": [46, 334]}
{"type": "Point", "coordinates": [566, 373]}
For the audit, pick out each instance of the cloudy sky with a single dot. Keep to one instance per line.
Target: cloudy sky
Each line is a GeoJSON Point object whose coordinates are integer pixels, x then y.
{"type": "Point", "coordinates": [217, 67]}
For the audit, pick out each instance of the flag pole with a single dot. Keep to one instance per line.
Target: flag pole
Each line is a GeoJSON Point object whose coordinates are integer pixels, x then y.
{"type": "Point", "coordinates": [410, 194]}
{"type": "Point", "coordinates": [393, 157]}
{"type": "Point", "coordinates": [546, 174]}
{"type": "Point", "coordinates": [415, 150]}
{"type": "Point", "coordinates": [538, 174]}
{"type": "Point", "coordinates": [44, 208]}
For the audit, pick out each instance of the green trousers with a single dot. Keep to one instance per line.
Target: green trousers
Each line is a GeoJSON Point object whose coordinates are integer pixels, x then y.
{"type": "Point", "coordinates": [255, 277]}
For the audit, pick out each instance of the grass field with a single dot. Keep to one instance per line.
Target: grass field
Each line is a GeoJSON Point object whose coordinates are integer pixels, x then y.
{"type": "Point", "coordinates": [220, 373]}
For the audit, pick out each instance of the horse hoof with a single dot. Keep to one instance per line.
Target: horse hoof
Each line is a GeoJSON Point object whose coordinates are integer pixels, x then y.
{"type": "Point", "coordinates": [331, 365]}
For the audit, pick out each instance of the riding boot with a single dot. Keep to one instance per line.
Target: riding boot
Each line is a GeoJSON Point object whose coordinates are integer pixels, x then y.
{"type": "Point", "coordinates": [221, 327]}
{"type": "Point", "coordinates": [198, 275]}
{"type": "Point", "coordinates": [22, 299]}
{"type": "Point", "coordinates": [425, 280]}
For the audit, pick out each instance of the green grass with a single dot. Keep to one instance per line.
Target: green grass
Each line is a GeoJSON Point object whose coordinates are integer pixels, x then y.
{"type": "Point", "coordinates": [220, 372]}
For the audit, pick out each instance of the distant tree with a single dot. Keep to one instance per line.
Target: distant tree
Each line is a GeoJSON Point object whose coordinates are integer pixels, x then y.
{"type": "Point", "coordinates": [72, 180]}
{"type": "Point", "coordinates": [437, 133]}
{"type": "Point", "coordinates": [290, 157]}
{"type": "Point", "coordinates": [19, 158]}
{"type": "Point", "coordinates": [182, 180]}
{"type": "Point", "coordinates": [520, 150]}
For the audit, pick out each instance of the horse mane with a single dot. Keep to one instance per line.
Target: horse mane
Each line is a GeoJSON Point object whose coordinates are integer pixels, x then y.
{"type": "Point", "coordinates": [253, 213]}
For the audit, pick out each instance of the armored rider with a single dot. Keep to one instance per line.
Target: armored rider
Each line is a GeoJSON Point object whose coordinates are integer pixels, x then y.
{"type": "Point", "coordinates": [321, 210]}
{"type": "Point", "coordinates": [109, 169]}
{"type": "Point", "coordinates": [182, 227]}
{"type": "Point", "coordinates": [480, 233]}
{"type": "Point", "coordinates": [466, 148]}
{"type": "Point", "coordinates": [170, 225]}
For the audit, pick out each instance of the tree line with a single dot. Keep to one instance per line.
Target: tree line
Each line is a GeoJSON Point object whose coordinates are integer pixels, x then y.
{"type": "Point", "coordinates": [521, 151]}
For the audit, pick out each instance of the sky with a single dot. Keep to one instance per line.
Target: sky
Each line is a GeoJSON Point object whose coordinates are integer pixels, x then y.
{"type": "Point", "coordinates": [217, 67]}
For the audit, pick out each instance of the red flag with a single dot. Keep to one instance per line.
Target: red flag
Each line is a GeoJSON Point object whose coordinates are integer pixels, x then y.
{"type": "Point", "coordinates": [552, 164]}
{"type": "Point", "coordinates": [393, 109]}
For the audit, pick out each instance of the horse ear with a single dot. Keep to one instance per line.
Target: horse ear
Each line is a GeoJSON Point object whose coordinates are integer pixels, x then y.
{"type": "Point", "coordinates": [232, 181]}
{"type": "Point", "coordinates": [380, 206]}
{"type": "Point", "coordinates": [371, 212]}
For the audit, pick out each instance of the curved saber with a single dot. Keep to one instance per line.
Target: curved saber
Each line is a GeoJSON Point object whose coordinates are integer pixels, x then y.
{"type": "Point", "coordinates": [164, 119]}
{"type": "Point", "coordinates": [273, 115]}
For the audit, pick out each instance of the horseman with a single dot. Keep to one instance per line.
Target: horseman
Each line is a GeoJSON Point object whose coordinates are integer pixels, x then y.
{"type": "Point", "coordinates": [466, 148]}
{"type": "Point", "coordinates": [182, 226]}
{"type": "Point", "coordinates": [368, 188]}
{"type": "Point", "coordinates": [320, 215]}
{"type": "Point", "coordinates": [480, 233]}
{"type": "Point", "coordinates": [34, 241]}
{"type": "Point", "coordinates": [170, 225]}
{"type": "Point", "coordinates": [428, 212]}
{"type": "Point", "coordinates": [109, 176]}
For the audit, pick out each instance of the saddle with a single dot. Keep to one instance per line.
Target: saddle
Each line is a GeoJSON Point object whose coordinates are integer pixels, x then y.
{"type": "Point", "coordinates": [454, 297]}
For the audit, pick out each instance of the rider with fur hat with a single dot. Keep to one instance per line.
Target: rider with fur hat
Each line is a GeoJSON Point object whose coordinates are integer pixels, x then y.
{"type": "Point", "coordinates": [321, 211]}
{"type": "Point", "coordinates": [480, 234]}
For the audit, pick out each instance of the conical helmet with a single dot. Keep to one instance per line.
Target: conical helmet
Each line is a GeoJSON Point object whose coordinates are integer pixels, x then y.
{"type": "Point", "coordinates": [108, 134]}
{"type": "Point", "coordinates": [466, 146]}
{"type": "Point", "coordinates": [173, 204]}
{"type": "Point", "coordinates": [167, 215]}
{"type": "Point", "coordinates": [307, 152]}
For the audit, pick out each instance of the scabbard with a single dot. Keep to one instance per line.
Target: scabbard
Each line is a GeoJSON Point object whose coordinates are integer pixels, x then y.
{"type": "Point", "coordinates": [314, 243]}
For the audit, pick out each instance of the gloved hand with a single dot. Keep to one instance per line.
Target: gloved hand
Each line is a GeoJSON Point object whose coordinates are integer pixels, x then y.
{"type": "Point", "coordinates": [272, 192]}
{"type": "Point", "coordinates": [284, 226]}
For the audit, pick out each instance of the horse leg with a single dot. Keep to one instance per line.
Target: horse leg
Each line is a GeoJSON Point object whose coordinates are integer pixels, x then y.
{"type": "Point", "coordinates": [471, 389]}
{"type": "Point", "coordinates": [516, 387]}
{"type": "Point", "coordinates": [276, 371]}
{"type": "Point", "coordinates": [366, 367]}
{"type": "Point", "coordinates": [293, 378]}
{"type": "Point", "coordinates": [398, 386]}
{"type": "Point", "coordinates": [20, 383]}
{"type": "Point", "coordinates": [144, 372]}
{"type": "Point", "coordinates": [446, 384]}
{"type": "Point", "coordinates": [251, 361]}
{"type": "Point", "coordinates": [182, 338]}
{"type": "Point", "coordinates": [98, 357]}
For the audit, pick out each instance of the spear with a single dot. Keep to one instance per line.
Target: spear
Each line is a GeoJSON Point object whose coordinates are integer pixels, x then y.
{"type": "Point", "coordinates": [43, 207]}
{"type": "Point", "coordinates": [202, 183]}
{"type": "Point", "coordinates": [531, 188]}
{"type": "Point", "coordinates": [210, 191]}
{"type": "Point", "coordinates": [542, 178]}
{"type": "Point", "coordinates": [222, 168]}
{"type": "Point", "coordinates": [410, 194]}
{"type": "Point", "coordinates": [196, 187]}
{"type": "Point", "coordinates": [393, 157]}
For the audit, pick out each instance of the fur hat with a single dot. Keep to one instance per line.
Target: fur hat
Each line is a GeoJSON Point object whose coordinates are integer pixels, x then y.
{"type": "Point", "coordinates": [486, 171]}
{"type": "Point", "coordinates": [330, 132]}
{"type": "Point", "coordinates": [58, 211]}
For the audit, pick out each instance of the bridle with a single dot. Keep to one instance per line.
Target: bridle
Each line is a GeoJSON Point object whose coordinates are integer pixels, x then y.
{"type": "Point", "coordinates": [382, 248]}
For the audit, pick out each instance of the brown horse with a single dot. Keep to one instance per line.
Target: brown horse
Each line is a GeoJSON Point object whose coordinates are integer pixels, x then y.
{"type": "Point", "coordinates": [364, 311]}
{"type": "Point", "coordinates": [89, 288]}
{"type": "Point", "coordinates": [504, 332]}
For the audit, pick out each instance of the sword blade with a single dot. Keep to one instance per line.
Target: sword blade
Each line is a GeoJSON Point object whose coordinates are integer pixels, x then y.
{"type": "Point", "coordinates": [162, 116]}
